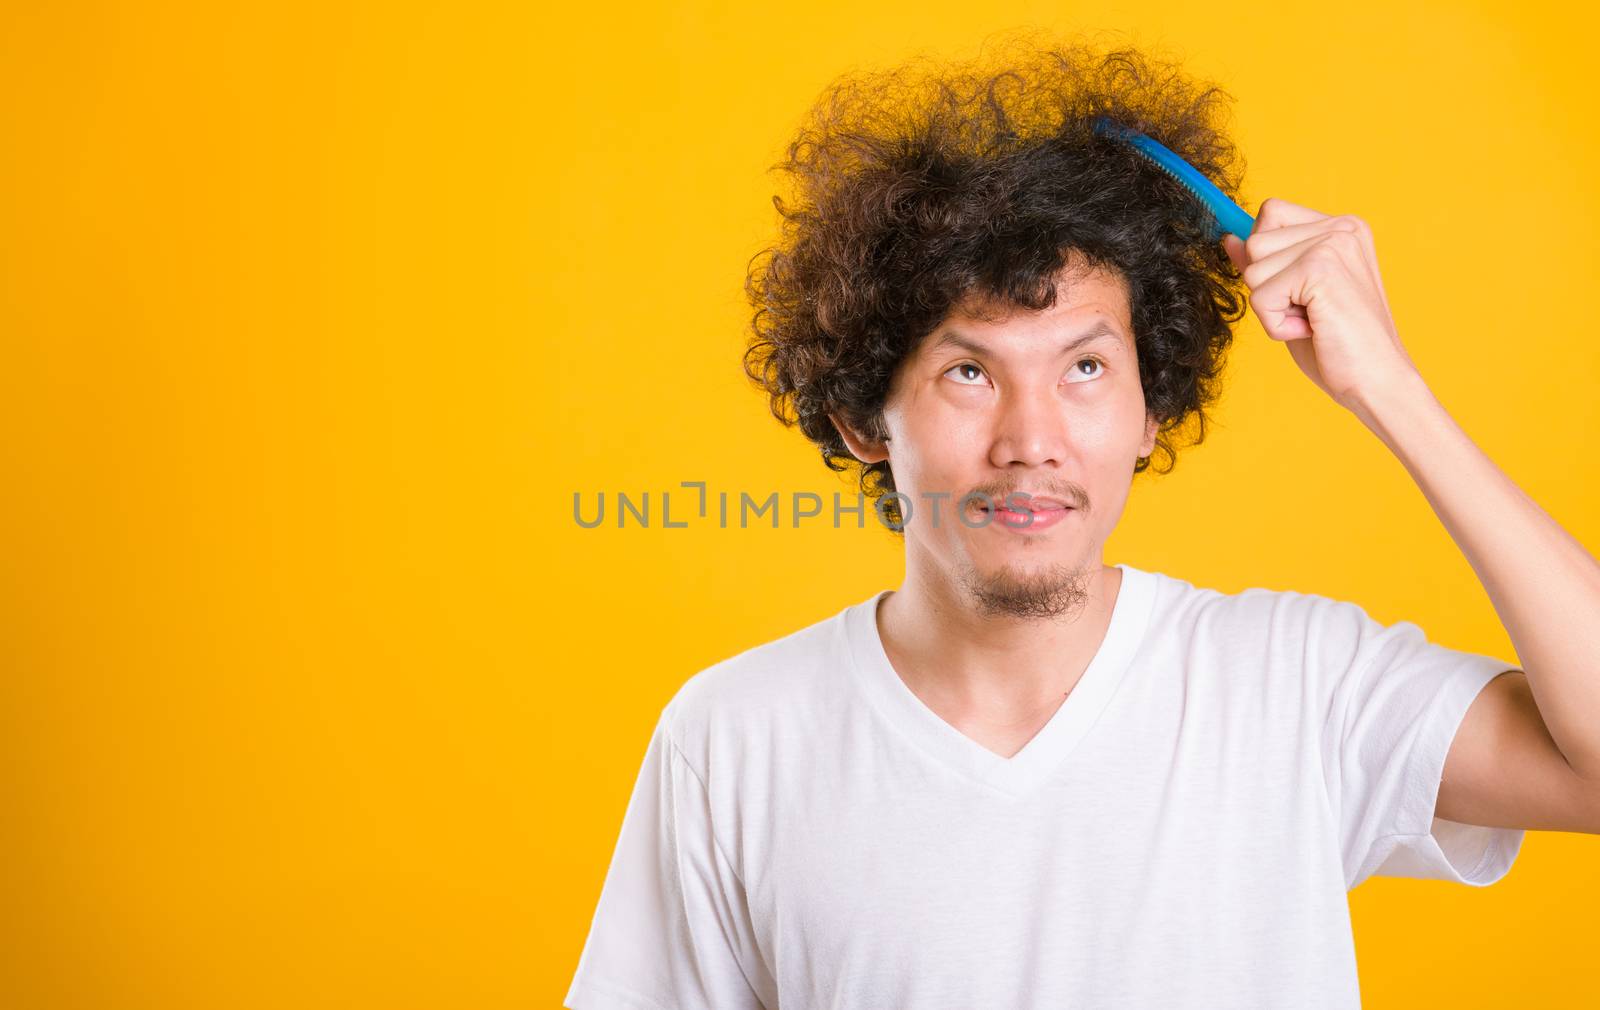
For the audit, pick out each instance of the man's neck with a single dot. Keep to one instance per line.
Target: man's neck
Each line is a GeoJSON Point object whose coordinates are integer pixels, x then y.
{"type": "Point", "coordinates": [996, 679]}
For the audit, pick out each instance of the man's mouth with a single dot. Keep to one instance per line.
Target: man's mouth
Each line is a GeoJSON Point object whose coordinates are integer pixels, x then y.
{"type": "Point", "coordinates": [1032, 512]}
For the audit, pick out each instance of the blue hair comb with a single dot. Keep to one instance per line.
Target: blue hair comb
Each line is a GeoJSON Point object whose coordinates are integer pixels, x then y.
{"type": "Point", "coordinates": [1227, 215]}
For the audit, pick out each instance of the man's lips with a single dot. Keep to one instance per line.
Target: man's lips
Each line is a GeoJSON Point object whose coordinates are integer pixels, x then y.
{"type": "Point", "coordinates": [1035, 513]}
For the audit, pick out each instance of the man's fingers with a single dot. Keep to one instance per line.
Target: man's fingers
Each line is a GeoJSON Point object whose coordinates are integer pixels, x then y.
{"type": "Point", "coordinates": [1233, 245]}
{"type": "Point", "coordinates": [1277, 212]}
{"type": "Point", "coordinates": [1263, 242]}
{"type": "Point", "coordinates": [1277, 290]}
{"type": "Point", "coordinates": [1265, 265]}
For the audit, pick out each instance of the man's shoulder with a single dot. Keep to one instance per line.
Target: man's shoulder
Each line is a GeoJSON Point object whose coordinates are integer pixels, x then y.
{"type": "Point", "coordinates": [1259, 610]}
{"type": "Point", "coordinates": [777, 664]}
{"type": "Point", "coordinates": [1253, 599]}
{"type": "Point", "coordinates": [1262, 619]}
{"type": "Point", "coordinates": [777, 680]}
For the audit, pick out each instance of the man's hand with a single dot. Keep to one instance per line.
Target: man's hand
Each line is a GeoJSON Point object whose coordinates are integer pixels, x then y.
{"type": "Point", "coordinates": [1341, 335]}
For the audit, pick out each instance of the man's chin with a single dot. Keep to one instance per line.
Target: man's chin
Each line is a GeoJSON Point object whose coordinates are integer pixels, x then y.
{"type": "Point", "coordinates": [1038, 590]}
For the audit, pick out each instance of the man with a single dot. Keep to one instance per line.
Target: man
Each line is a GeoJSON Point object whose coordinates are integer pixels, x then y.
{"type": "Point", "coordinates": [1025, 778]}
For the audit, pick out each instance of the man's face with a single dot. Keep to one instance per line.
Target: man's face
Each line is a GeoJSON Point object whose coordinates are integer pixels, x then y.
{"type": "Point", "coordinates": [1048, 403]}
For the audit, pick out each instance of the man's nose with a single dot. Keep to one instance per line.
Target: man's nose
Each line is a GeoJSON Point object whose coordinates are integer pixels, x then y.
{"type": "Point", "coordinates": [1030, 428]}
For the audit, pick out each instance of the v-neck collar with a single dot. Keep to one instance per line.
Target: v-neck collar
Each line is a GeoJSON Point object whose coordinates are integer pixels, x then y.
{"type": "Point", "coordinates": [1042, 755]}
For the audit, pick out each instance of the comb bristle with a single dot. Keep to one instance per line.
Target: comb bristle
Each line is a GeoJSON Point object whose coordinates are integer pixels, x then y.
{"type": "Point", "coordinates": [1226, 216]}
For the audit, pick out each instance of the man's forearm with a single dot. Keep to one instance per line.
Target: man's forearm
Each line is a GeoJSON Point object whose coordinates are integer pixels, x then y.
{"type": "Point", "coordinates": [1543, 583]}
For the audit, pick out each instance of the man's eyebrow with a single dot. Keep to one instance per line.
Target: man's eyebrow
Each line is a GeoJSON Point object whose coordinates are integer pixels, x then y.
{"type": "Point", "coordinates": [1099, 331]}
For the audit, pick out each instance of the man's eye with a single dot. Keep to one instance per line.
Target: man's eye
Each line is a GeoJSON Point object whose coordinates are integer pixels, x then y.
{"type": "Point", "coordinates": [966, 373]}
{"type": "Point", "coordinates": [1100, 366]}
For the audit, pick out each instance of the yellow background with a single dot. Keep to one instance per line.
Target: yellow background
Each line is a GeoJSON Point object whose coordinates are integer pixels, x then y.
{"type": "Point", "coordinates": [315, 316]}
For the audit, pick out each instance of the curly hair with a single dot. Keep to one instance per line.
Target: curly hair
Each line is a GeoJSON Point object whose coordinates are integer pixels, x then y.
{"type": "Point", "coordinates": [920, 188]}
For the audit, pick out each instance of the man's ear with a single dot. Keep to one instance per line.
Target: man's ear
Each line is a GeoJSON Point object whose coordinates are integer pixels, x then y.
{"type": "Point", "coordinates": [1151, 427]}
{"type": "Point", "coordinates": [867, 450]}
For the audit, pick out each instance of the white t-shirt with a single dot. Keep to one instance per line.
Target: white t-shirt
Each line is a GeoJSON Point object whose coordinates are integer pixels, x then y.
{"type": "Point", "coordinates": [806, 833]}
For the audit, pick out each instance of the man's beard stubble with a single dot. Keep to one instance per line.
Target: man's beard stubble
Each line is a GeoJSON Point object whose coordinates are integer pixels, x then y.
{"type": "Point", "coordinates": [1052, 592]}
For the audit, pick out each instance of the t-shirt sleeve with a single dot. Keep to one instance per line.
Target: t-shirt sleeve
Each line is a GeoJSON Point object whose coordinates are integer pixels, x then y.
{"type": "Point", "coordinates": [672, 929]}
{"type": "Point", "coordinates": [1394, 703]}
